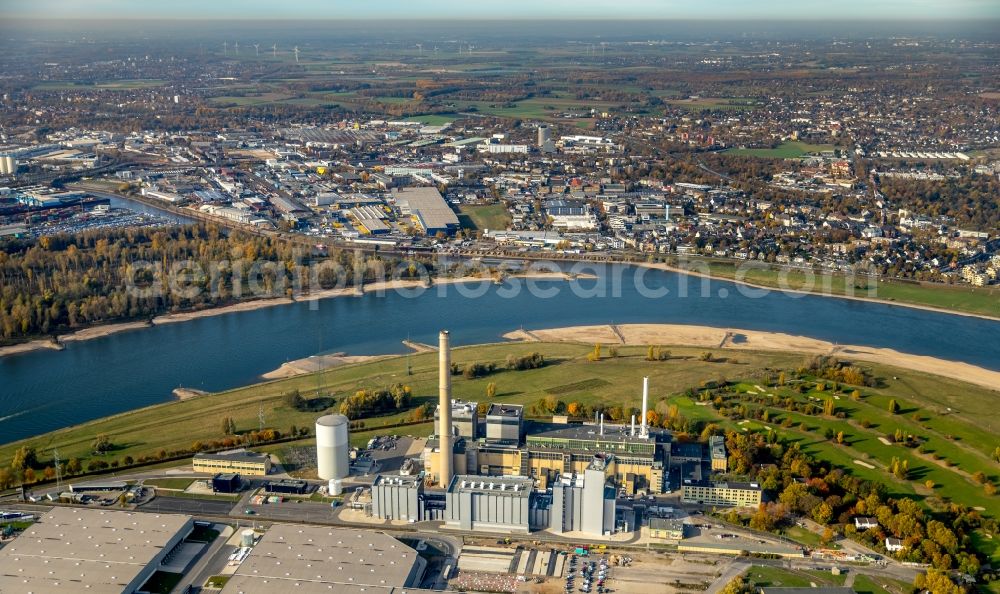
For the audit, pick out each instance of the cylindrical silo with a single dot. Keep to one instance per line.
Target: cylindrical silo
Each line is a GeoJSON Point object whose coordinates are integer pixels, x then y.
{"type": "Point", "coordinates": [332, 447]}
{"type": "Point", "coordinates": [336, 487]}
{"type": "Point", "coordinates": [247, 537]}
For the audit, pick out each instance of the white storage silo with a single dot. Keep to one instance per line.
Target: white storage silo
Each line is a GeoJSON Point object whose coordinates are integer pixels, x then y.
{"type": "Point", "coordinates": [247, 537]}
{"type": "Point", "coordinates": [336, 487]}
{"type": "Point", "coordinates": [332, 447]}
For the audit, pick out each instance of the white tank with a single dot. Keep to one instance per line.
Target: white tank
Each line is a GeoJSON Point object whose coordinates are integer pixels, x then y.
{"type": "Point", "coordinates": [336, 487]}
{"type": "Point", "coordinates": [332, 447]}
{"type": "Point", "coordinates": [247, 537]}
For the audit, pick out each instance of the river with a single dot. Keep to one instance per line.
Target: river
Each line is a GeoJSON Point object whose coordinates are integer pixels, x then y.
{"type": "Point", "coordinates": [46, 390]}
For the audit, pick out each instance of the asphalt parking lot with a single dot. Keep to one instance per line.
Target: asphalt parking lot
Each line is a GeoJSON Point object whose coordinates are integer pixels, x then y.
{"type": "Point", "coordinates": [188, 506]}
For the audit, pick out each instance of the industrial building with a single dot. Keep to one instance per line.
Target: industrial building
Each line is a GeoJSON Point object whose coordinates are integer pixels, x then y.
{"type": "Point", "coordinates": [226, 483]}
{"type": "Point", "coordinates": [287, 487]}
{"type": "Point", "coordinates": [428, 209]}
{"type": "Point", "coordinates": [89, 550]}
{"type": "Point", "coordinates": [713, 493]}
{"type": "Point", "coordinates": [464, 418]}
{"type": "Point", "coordinates": [333, 447]}
{"type": "Point", "coordinates": [491, 503]}
{"type": "Point", "coordinates": [312, 559]}
{"type": "Point", "coordinates": [398, 498]}
{"type": "Point", "coordinates": [635, 458]}
{"type": "Point", "coordinates": [243, 462]}
{"type": "Point", "coordinates": [666, 528]}
{"type": "Point", "coordinates": [717, 453]}
{"type": "Point", "coordinates": [584, 503]}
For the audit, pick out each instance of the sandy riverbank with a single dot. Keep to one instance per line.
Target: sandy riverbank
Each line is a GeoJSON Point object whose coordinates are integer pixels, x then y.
{"type": "Point", "coordinates": [695, 273]}
{"type": "Point", "coordinates": [318, 363]}
{"type": "Point", "coordinates": [100, 331]}
{"type": "Point", "coordinates": [27, 347]}
{"type": "Point", "coordinates": [218, 311]}
{"type": "Point", "coordinates": [188, 393]}
{"type": "Point", "coordinates": [735, 339]}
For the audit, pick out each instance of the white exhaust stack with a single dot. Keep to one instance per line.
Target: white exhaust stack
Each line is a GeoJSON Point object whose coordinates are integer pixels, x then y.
{"type": "Point", "coordinates": [645, 406]}
{"type": "Point", "coordinates": [602, 423]}
{"type": "Point", "coordinates": [444, 406]}
{"type": "Point", "coordinates": [632, 432]}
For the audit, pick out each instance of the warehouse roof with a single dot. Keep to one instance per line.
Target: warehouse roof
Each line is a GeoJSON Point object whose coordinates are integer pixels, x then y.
{"type": "Point", "coordinates": [320, 558]}
{"type": "Point", "coordinates": [428, 206]}
{"type": "Point", "coordinates": [514, 486]}
{"type": "Point", "coordinates": [234, 455]}
{"type": "Point", "coordinates": [71, 549]}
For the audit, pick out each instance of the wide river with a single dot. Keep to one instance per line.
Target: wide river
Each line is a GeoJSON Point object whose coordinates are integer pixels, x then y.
{"type": "Point", "coordinates": [47, 390]}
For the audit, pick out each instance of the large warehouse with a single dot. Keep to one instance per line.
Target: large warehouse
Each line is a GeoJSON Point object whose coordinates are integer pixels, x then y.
{"type": "Point", "coordinates": [90, 550]}
{"type": "Point", "coordinates": [428, 209]}
{"type": "Point", "coordinates": [307, 559]}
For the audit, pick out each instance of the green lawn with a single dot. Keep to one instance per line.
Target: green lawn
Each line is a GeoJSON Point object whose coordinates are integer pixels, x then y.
{"type": "Point", "coordinates": [976, 300]}
{"type": "Point", "coordinates": [786, 150]}
{"type": "Point", "coordinates": [433, 119]}
{"type": "Point", "coordinates": [867, 584]}
{"type": "Point", "coordinates": [491, 216]}
{"type": "Point", "coordinates": [169, 483]}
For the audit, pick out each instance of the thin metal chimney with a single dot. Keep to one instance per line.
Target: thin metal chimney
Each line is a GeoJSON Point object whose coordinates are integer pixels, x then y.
{"type": "Point", "coordinates": [632, 432]}
{"type": "Point", "coordinates": [444, 406]}
{"type": "Point", "coordinates": [645, 406]}
{"type": "Point", "coordinates": [602, 423]}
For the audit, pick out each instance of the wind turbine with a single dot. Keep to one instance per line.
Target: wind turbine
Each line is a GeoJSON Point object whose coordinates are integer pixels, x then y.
{"type": "Point", "coordinates": [420, 47]}
{"type": "Point", "coordinates": [237, 48]}
{"type": "Point", "coordinates": [225, 48]}
{"type": "Point", "coordinates": [274, 51]}
{"type": "Point", "coordinates": [256, 48]}
{"type": "Point", "coordinates": [296, 50]}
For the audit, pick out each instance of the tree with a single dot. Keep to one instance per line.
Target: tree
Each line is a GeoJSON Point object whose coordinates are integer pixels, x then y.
{"type": "Point", "coordinates": [294, 400]}
{"type": "Point", "coordinates": [929, 484]}
{"type": "Point", "coordinates": [74, 466]}
{"type": "Point", "coordinates": [938, 582]}
{"type": "Point", "coordinates": [595, 355]}
{"type": "Point", "coordinates": [491, 390]}
{"type": "Point", "coordinates": [856, 395]}
{"type": "Point", "coordinates": [575, 409]}
{"type": "Point", "coordinates": [24, 457]}
{"type": "Point", "coordinates": [822, 513]}
{"type": "Point", "coordinates": [102, 443]}
{"type": "Point", "coordinates": [840, 437]}
{"type": "Point", "coordinates": [829, 408]}
{"type": "Point", "coordinates": [228, 426]}
{"type": "Point", "coordinates": [893, 406]}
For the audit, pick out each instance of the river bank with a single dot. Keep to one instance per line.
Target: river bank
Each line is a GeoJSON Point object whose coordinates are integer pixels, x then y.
{"type": "Point", "coordinates": [379, 288]}
{"type": "Point", "coordinates": [736, 339]}
{"type": "Point", "coordinates": [745, 283]}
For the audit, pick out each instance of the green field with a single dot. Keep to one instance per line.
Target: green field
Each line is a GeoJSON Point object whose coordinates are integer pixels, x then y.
{"type": "Point", "coordinates": [975, 300]}
{"type": "Point", "coordinates": [106, 85]}
{"type": "Point", "coordinates": [169, 483]}
{"type": "Point", "coordinates": [786, 150]}
{"type": "Point", "coordinates": [491, 216]}
{"type": "Point", "coordinates": [433, 119]}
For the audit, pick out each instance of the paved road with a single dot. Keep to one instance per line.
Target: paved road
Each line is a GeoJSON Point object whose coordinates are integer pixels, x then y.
{"type": "Point", "coordinates": [211, 561]}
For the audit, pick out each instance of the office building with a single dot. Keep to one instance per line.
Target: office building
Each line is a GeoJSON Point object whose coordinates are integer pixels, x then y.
{"type": "Point", "coordinates": [666, 528]}
{"type": "Point", "coordinates": [730, 494]}
{"type": "Point", "coordinates": [243, 462]}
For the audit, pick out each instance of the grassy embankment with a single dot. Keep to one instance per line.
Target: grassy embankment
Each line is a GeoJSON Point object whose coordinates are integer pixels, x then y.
{"type": "Point", "coordinates": [965, 299]}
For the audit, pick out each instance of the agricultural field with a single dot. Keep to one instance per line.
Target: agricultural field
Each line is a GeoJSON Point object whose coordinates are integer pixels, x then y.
{"type": "Point", "coordinates": [786, 150]}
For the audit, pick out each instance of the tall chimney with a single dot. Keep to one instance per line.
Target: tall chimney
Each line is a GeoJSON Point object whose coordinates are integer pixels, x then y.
{"type": "Point", "coordinates": [444, 406]}
{"type": "Point", "coordinates": [632, 432]}
{"type": "Point", "coordinates": [645, 406]}
{"type": "Point", "coordinates": [602, 423]}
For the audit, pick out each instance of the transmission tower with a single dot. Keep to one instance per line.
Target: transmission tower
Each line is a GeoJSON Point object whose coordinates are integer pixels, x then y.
{"type": "Point", "coordinates": [260, 415]}
{"type": "Point", "coordinates": [55, 456]}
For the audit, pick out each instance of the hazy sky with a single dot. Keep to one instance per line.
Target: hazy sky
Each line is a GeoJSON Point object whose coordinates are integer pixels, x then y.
{"type": "Point", "coordinates": [565, 9]}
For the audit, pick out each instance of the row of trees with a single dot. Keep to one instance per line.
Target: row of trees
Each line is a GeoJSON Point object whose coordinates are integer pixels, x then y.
{"type": "Point", "coordinates": [366, 403]}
